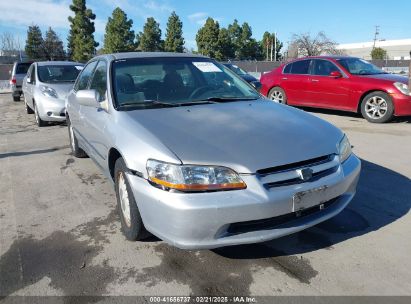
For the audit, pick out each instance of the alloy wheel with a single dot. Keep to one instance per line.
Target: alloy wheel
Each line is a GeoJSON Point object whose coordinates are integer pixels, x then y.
{"type": "Point", "coordinates": [277, 96]}
{"type": "Point", "coordinates": [376, 107]}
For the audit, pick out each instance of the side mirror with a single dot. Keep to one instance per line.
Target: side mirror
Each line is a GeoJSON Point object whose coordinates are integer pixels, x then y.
{"type": "Point", "coordinates": [336, 74]}
{"type": "Point", "coordinates": [88, 98]}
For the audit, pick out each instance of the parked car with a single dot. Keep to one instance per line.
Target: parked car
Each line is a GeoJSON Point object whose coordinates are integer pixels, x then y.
{"type": "Point", "coordinates": [340, 83]}
{"type": "Point", "coordinates": [45, 89]}
{"type": "Point", "coordinates": [244, 75]}
{"type": "Point", "coordinates": [198, 158]}
{"type": "Point", "coordinates": [18, 72]}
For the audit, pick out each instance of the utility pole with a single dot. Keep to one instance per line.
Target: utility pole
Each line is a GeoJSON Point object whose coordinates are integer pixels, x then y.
{"type": "Point", "coordinates": [377, 32]}
{"type": "Point", "coordinates": [275, 46]}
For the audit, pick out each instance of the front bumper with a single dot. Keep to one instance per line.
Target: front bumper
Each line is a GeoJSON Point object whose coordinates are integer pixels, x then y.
{"type": "Point", "coordinates": [50, 109]}
{"type": "Point", "coordinates": [402, 104]}
{"type": "Point", "coordinates": [203, 220]}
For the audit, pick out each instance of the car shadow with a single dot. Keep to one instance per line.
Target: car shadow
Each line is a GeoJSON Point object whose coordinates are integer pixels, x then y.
{"type": "Point", "coordinates": [401, 119]}
{"type": "Point", "coordinates": [383, 196]}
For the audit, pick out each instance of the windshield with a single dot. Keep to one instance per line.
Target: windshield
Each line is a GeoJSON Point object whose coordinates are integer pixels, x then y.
{"type": "Point", "coordinates": [358, 66]}
{"type": "Point", "coordinates": [58, 73]}
{"type": "Point", "coordinates": [149, 82]}
{"type": "Point", "coordinates": [22, 68]}
{"type": "Point", "coordinates": [236, 69]}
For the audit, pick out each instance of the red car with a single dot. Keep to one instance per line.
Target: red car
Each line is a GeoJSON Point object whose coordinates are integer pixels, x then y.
{"type": "Point", "coordinates": [341, 83]}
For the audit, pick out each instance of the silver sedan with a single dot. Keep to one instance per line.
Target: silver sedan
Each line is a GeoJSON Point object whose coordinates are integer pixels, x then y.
{"type": "Point", "coordinates": [45, 89]}
{"type": "Point", "coordinates": [199, 158]}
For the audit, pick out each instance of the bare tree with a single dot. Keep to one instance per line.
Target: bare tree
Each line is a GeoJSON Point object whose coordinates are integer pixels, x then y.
{"type": "Point", "coordinates": [315, 46]}
{"type": "Point", "coordinates": [9, 44]}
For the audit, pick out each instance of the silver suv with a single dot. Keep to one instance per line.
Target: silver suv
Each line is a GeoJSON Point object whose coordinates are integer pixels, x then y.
{"type": "Point", "coordinates": [18, 72]}
{"type": "Point", "coordinates": [199, 158]}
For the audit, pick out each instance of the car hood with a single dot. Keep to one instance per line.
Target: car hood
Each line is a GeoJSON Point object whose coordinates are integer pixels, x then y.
{"type": "Point", "coordinates": [245, 136]}
{"type": "Point", "coordinates": [62, 89]}
{"type": "Point", "coordinates": [389, 77]}
{"type": "Point", "coordinates": [248, 78]}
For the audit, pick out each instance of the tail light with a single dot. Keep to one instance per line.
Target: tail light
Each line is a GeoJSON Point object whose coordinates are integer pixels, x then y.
{"type": "Point", "coordinates": [13, 81]}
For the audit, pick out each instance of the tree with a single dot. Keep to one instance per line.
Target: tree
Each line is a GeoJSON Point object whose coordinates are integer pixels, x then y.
{"type": "Point", "coordinates": [119, 37]}
{"type": "Point", "coordinates": [174, 35]}
{"type": "Point", "coordinates": [378, 53]}
{"type": "Point", "coordinates": [9, 44]}
{"type": "Point", "coordinates": [268, 44]}
{"type": "Point", "coordinates": [53, 46]}
{"type": "Point", "coordinates": [150, 38]}
{"type": "Point", "coordinates": [225, 47]}
{"type": "Point", "coordinates": [249, 48]}
{"type": "Point", "coordinates": [34, 43]}
{"type": "Point", "coordinates": [207, 38]}
{"type": "Point", "coordinates": [315, 46]}
{"type": "Point", "coordinates": [234, 31]}
{"type": "Point", "coordinates": [81, 43]}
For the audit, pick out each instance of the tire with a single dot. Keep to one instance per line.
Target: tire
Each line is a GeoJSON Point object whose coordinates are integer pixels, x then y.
{"type": "Point", "coordinates": [28, 109]}
{"type": "Point", "coordinates": [277, 95]}
{"type": "Point", "coordinates": [131, 222]}
{"type": "Point", "coordinates": [75, 149]}
{"type": "Point", "coordinates": [377, 107]}
{"type": "Point", "coordinates": [16, 98]}
{"type": "Point", "coordinates": [40, 123]}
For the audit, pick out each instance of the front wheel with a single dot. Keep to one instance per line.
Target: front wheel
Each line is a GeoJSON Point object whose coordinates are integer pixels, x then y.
{"type": "Point", "coordinates": [16, 98]}
{"type": "Point", "coordinates": [277, 95]}
{"type": "Point", "coordinates": [377, 107]}
{"type": "Point", "coordinates": [131, 222]}
{"type": "Point", "coordinates": [75, 149]}
{"type": "Point", "coordinates": [39, 121]}
{"type": "Point", "coordinates": [28, 109]}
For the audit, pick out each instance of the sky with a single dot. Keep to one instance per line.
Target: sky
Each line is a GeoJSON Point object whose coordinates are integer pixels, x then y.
{"type": "Point", "coordinates": [347, 21]}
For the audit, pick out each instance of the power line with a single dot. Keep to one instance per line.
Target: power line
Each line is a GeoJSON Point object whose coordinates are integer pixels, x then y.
{"type": "Point", "coordinates": [377, 32]}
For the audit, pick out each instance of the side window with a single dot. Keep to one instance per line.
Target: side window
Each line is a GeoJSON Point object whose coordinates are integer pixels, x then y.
{"type": "Point", "coordinates": [99, 80]}
{"type": "Point", "coordinates": [300, 67]}
{"type": "Point", "coordinates": [30, 72]}
{"type": "Point", "coordinates": [287, 69]}
{"type": "Point", "coordinates": [83, 79]}
{"type": "Point", "coordinates": [324, 68]}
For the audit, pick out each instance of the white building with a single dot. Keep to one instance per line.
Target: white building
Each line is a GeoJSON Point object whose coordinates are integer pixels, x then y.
{"type": "Point", "coordinates": [396, 49]}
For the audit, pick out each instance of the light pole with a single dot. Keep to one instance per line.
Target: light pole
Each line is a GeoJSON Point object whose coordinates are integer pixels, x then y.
{"type": "Point", "coordinates": [409, 75]}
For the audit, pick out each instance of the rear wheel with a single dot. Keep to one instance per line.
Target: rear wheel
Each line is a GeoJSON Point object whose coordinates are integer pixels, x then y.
{"type": "Point", "coordinates": [39, 121]}
{"type": "Point", "coordinates": [131, 222]}
{"type": "Point", "coordinates": [75, 149]}
{"type": "Point", "coordinates": [16, 98]}
{"type": "Point", "coordinates": [278, 95]}
{"type": "Point", "coordinates": [377, 107]}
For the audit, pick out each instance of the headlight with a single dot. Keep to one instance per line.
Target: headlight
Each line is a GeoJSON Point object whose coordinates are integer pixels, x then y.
{"type": "Point", "coordinates": [344, 149]}
{"type": "Point", "coordinates": [193, 178]}
{"type": "Point", "coordinates": [402, 87]}
{"type": "Point", "coordinates": [49, 92]}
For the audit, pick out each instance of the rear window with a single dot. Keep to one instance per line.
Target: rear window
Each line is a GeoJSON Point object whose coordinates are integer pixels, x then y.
{"type": "Point", "coordinates": [300, 67]}
{"type": "Point", "coordinates": [22, 68]}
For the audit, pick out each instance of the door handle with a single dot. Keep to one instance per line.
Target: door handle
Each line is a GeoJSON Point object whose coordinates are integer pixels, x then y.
{"type": "Point", "coordinates": [284, 78]}
{"type": "Point", "coordinates": [314, 80]}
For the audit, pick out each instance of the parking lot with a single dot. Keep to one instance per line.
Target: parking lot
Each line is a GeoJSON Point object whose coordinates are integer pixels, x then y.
{"type": "Point", "coordinates": [60, 233]}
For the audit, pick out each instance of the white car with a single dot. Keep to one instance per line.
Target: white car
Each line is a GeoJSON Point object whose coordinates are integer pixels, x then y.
{"type": "Point", "coordinates": [45, 88]}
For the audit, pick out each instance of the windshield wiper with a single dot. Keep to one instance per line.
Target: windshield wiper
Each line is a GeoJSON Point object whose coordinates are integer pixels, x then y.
{"type": "Point", "coordinates": [226, 99]}
{"type": "Point", "coordinates": [147, 102]}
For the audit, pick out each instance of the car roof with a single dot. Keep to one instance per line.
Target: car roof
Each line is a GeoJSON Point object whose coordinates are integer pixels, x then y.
{"type": "Point", "coordinates": [336, 57]}
{"type": "Point", "coordinates": [45, 63]}
{"type": "Point", "coordinates": [129, 55]}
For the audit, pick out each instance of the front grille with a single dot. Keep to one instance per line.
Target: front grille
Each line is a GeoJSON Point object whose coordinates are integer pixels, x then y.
{"type": "Point", "coordinates": [287, 175]}
{"type": "Point", "coordinates": [271, 223]}
{"type": "Point", "coordinates": [298, 165]}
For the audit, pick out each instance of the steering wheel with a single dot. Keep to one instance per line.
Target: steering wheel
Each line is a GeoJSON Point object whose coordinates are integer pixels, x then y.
{"type": "Point", "coordinates": [362, 72]}
{"type": "Point", "coordinates": [199, 91]}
